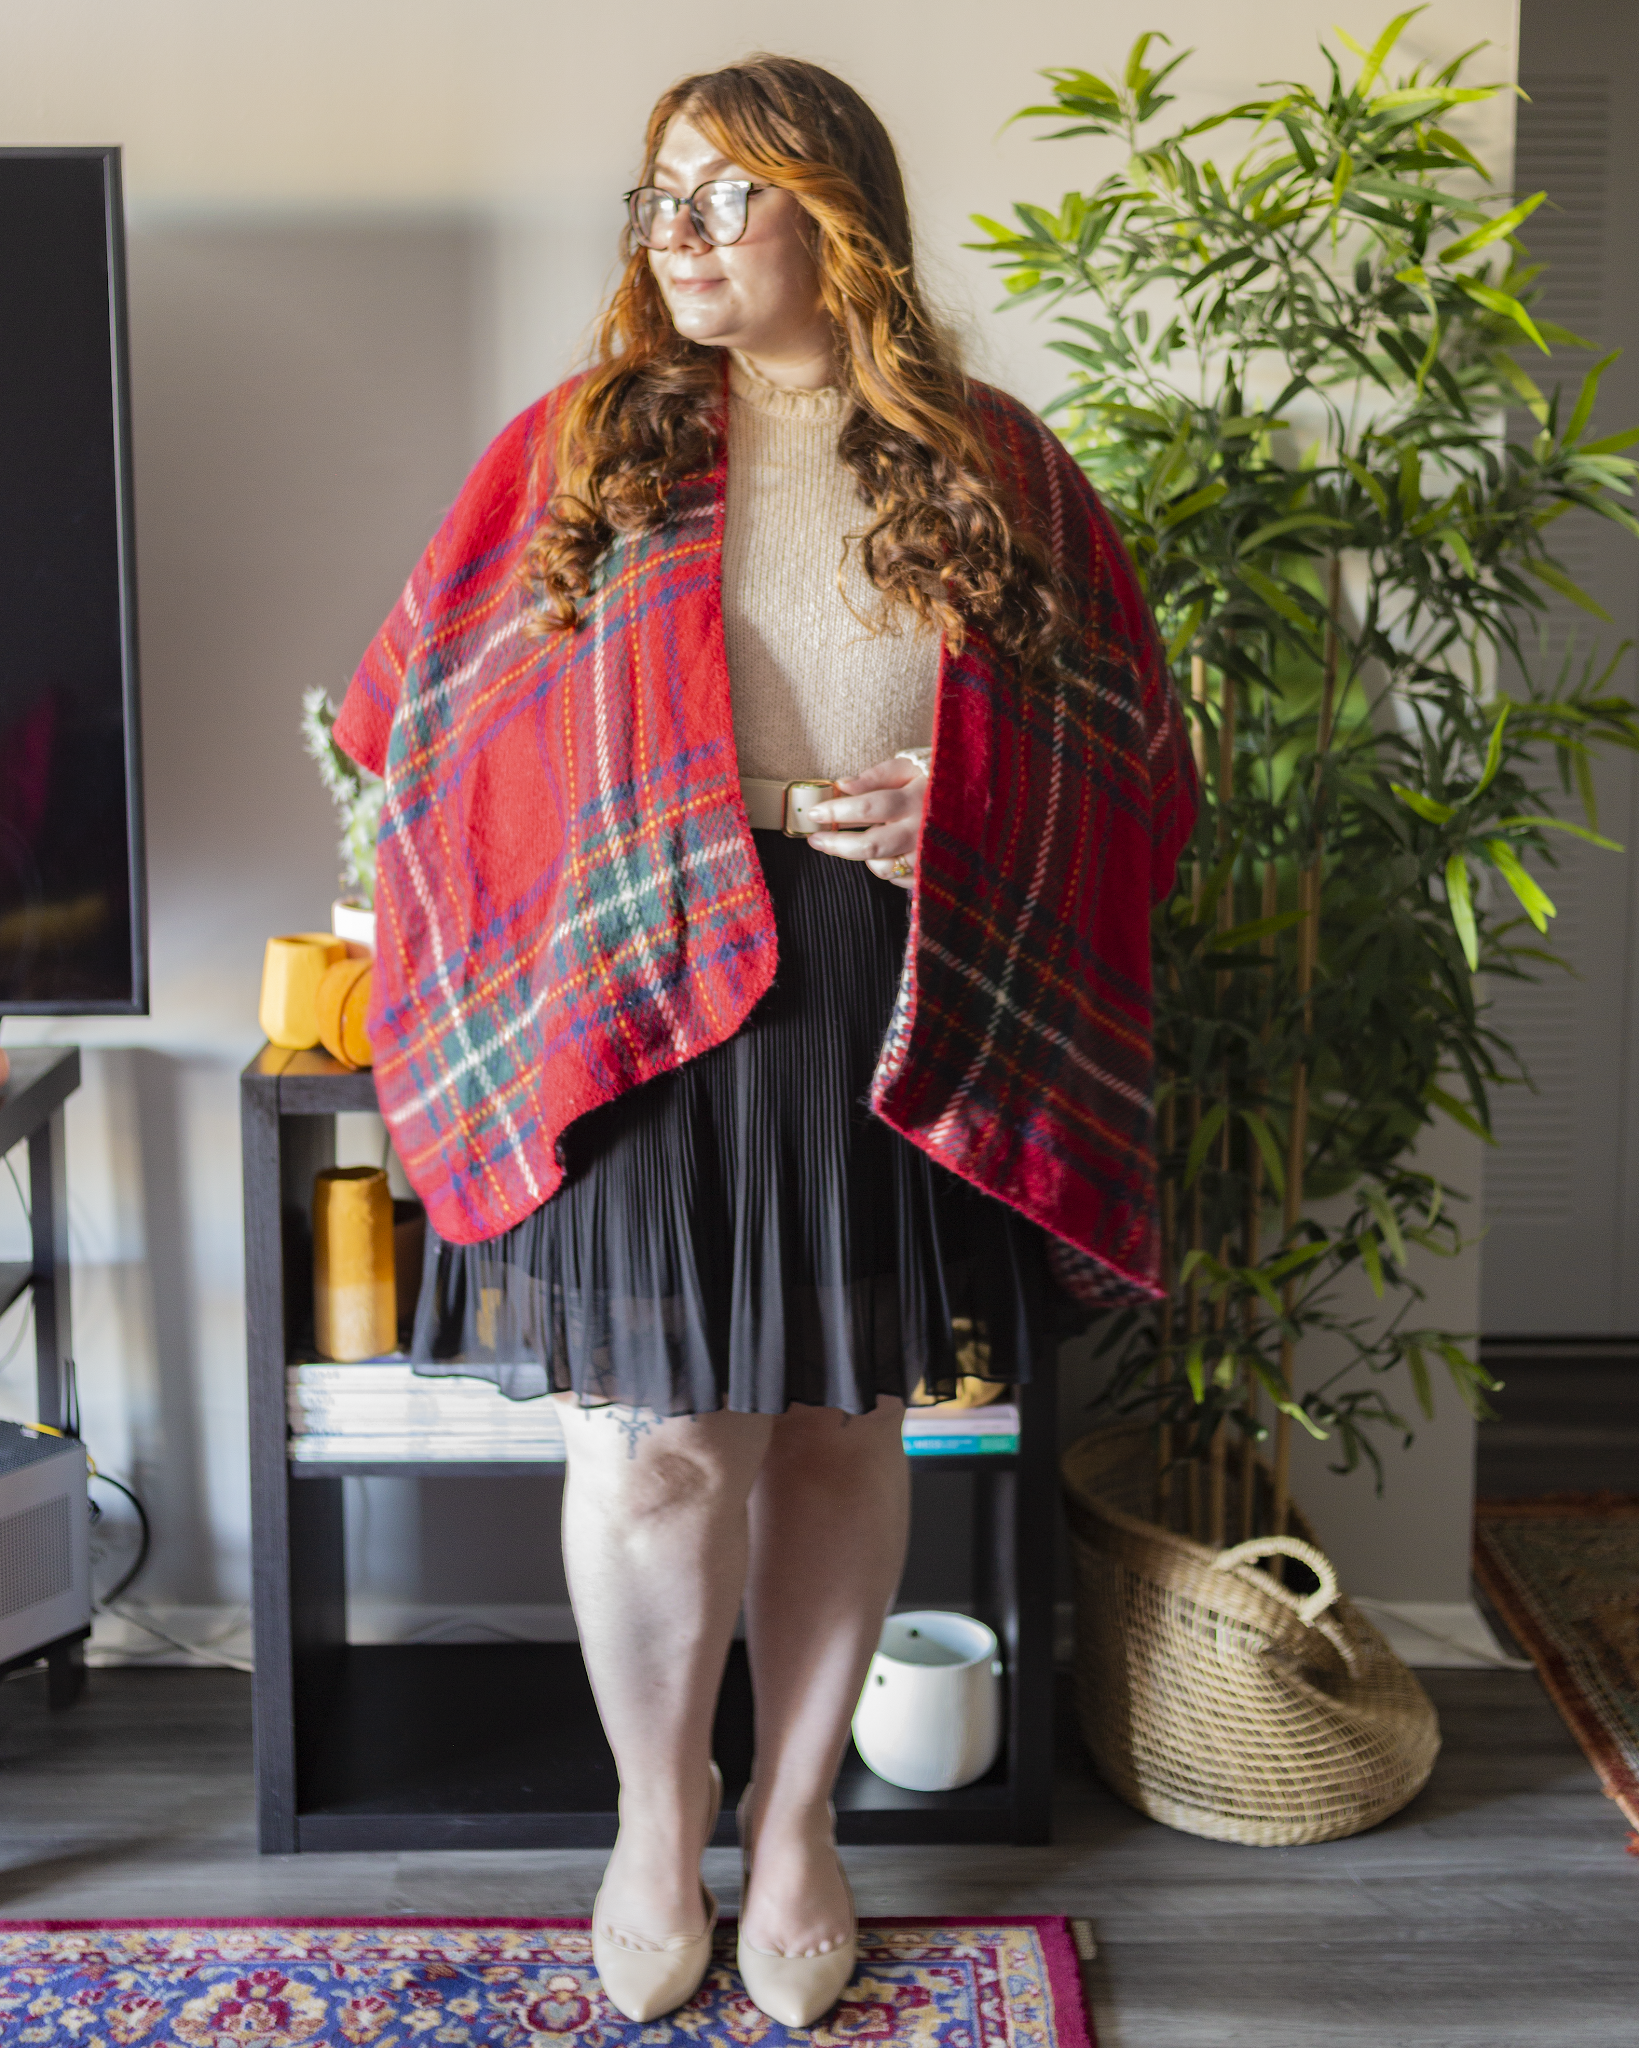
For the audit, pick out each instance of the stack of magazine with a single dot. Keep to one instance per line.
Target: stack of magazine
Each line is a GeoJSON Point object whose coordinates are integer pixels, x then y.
{"type": "Point", "coordinates": [383, 1411]}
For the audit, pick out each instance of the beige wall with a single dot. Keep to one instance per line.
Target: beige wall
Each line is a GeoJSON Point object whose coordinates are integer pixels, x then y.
{"type": "Point", "coordinates": [363, 234]}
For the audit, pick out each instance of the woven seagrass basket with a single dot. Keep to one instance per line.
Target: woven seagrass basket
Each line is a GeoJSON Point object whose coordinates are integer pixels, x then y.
{"type": "Point", "coordinates": [1211, 1696]}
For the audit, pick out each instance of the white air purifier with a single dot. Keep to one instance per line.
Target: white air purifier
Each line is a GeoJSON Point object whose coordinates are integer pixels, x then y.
{"type": "Point", "coordinates": [930, 1716]}
{"type": "Point", "coordinates": [45, 1541]}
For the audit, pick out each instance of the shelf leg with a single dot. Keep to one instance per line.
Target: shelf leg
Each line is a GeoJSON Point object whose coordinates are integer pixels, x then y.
{"type": "Point", "coordinates": [53, 1322]}
{"type": "Point", "coordinates": [65, 1672]}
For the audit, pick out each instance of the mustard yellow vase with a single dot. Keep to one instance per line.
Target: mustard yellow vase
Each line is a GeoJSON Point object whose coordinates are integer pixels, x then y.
{"type": "Point", "coordinates": [355, 1295]}
{"type": "Point", "coordinates": [292, 968]}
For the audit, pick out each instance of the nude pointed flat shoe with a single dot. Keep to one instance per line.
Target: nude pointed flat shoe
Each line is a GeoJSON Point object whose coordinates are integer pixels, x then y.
{"type": "Point", "coordinates": [645, 1979]}
{"type": "Point", "coordinates": [795, 1990]}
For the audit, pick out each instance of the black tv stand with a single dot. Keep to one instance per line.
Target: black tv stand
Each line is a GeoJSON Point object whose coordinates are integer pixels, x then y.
{"type": "Point", "coordinates": [365, 1746]}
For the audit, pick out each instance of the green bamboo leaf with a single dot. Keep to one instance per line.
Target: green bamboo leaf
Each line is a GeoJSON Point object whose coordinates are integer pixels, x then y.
{"type": "Point", "coordinates": [1255, 929]}
{"type": "Point", "coordinates": [1458, 546]}
{"type": "Point", "coordinates": [1613, 444]}
{"type": "Point", "coordinates": [1411, 96]}
{"type": "Point", "coordinates": [1411, 482]}
{"type": "Point", "coordinates": [1197, 501]}
{"type": "Point", "coordinates": [1494, 230]}
{"type": "Point", "coordinates": [1461, 901]}
{"type": "Point", "coordinates": [1287, 1406]}
{"type": "Point", "coordinates": [1193, 1367]}
{"type": "Point", "coordinates": [1300, 144]}
{"type": "Point", "coordinates": [1513, 375]}
{"type": "Point", "coordinates": [1493, 753]}
{"type": "Point", "coordinates": [1387, 1221]}
{"type": "Point", "coordinates": [1380, 49]}
{"type": "Point", "coordinates": [1418, 1367]}
{"type": "Point", "coordinates": [1586, 398]}
{"type": "Point", "coordinates": [1424, 806]}
{"type": "Point", "coordinates": [1440, 138]}
{"type": "Point", "coordinates": [1207, 1130]}
{"type": "Point", "coordinates": [1556, 579]}
{"type": "Point", "coordinates": [1459, 1113]}
{"type": "Point", "coordinates": [1264, 1138]}
{"type": "Point", "coordinates": [1187, 631]}
{"type": "Point", "coordinates": [1502, 302]}
{"type": "Point", "coordinates": [1263, 1286]}
{"type": "Point", "coordinates": [1298, 1257]}
{"type": "Point", "coordinates": [1469, 1378]}
{"type": "Point", "coordinates": [1192, 1259]}
{"type": "Point", "coordinates": [1534, 900]}
{"type": "Point", "coordinates": [1294, 522]}
{"type": "Point", "coordinates": [1278, 600]}
{"type": "Point", "coordinates": [1372, 1260]}
{"type": "Point", "coordinates": [1340, 182]}
{"type": "Point", "coordinates": [1564, 825]}
{"type": "Point", "coordinates": [1368, 483]}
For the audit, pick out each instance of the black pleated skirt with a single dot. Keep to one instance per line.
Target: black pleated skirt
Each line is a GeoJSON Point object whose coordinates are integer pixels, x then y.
{"type": "Point", "coordinates": [742, 1233]}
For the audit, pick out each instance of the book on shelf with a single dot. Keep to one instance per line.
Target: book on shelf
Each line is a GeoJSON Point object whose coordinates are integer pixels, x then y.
{"type": "Point", "coordinates": [383, 1409]}
{"type": "Point", "coordinates": [425, 1447]}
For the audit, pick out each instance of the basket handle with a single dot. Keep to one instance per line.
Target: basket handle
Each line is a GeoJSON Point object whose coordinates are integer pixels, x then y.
{"type": "Point", "coordinates": [1315, 1604]}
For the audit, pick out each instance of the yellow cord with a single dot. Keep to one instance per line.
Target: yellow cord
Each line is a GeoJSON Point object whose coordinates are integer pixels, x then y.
{"type": "Point", "coordinates": [45, 1429]}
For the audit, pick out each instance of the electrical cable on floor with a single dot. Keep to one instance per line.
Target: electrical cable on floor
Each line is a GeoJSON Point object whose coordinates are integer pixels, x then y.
{"type": "Point", "coordinates": [144, 1539]}
{"type": "Point", "coordinates": [430, 1631]}
{"type": "Point", "coordinates": [205, 1652]}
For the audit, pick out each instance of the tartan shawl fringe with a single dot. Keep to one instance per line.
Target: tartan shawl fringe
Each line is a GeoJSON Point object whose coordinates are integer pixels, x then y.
{"type": "Point", "coordinates": [569, 902]}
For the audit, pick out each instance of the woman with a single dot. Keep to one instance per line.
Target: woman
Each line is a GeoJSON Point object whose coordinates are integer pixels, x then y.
{"type": "Point", "coordinates": [728, 1141]}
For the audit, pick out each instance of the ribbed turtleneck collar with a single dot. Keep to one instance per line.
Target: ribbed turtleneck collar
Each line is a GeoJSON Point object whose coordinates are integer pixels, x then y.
{"type": "Point", "coordinates": [825, 406]}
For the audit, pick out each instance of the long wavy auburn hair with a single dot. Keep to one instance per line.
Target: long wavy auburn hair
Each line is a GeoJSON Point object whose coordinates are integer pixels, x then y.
{"type": "Point", "coordinates": [941, 535]}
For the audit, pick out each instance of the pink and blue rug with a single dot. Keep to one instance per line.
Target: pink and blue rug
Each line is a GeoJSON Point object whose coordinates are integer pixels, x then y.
{"type": "Point", "coordinates": [417, 1983]}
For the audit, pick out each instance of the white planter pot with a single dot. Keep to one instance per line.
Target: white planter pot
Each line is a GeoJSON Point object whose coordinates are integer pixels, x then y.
{"type": "Point", "coordinates": [930, 1717]}
{"type": "Point", "coordinates": [356, 923]}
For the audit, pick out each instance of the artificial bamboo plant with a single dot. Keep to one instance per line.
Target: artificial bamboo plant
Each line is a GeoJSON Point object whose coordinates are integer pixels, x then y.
{"type": "Point", "coordinates": [1294, 378]}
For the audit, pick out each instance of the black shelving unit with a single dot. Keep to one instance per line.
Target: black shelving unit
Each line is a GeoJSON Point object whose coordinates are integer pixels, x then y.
{"type": "Point", "coordinates": [442, 1746]}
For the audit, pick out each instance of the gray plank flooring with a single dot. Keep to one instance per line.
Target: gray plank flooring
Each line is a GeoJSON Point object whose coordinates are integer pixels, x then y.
{"type": "Point", "coordinates": [1499, 1909]}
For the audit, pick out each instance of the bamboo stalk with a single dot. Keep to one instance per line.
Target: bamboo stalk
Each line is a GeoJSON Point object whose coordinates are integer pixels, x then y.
{"type": "Point", "coordinates": [1192, 1298]}
{"type": "Point", "coordinates": [1219, 1449]}
{"type": "Point", "coordinates": [1252, 1249]}
{"type": "Point", "coordinates": [1169, 1252]}
{"type": "Point", "coordinates": [1308, 950]}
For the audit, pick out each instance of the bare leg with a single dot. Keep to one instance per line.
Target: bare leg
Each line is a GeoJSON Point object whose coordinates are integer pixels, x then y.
{"type": "Point", "coordinates": [829, 1515]}
{"type": "Point", "coordinates": [654, 1546]}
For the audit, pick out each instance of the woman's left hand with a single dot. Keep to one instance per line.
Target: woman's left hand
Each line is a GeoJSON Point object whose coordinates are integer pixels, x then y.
{"type": "Point", "coordinates": [879, 812]}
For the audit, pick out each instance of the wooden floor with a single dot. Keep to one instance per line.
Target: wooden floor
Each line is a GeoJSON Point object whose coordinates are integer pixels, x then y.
{"type": "Point", "coordinates": [1499, 1909]}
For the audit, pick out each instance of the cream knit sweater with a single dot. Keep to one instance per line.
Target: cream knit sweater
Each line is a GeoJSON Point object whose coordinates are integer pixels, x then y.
{"type": "Point", "coordinates": [816, 692]}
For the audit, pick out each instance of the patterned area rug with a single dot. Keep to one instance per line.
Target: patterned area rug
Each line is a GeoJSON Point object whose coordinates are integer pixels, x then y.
{"type": "Point", "coordinates": [1563, 1572]}
{"type": "Point", "coordinates": [411, 1983]}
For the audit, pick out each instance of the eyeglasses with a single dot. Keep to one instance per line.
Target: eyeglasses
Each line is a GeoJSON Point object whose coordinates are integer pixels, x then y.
{"type": "Point", "coordinates": [716, 209]}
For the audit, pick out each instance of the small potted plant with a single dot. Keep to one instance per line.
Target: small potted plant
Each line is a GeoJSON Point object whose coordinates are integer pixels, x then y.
{"type": "Point", "coordinates": [357, 797]}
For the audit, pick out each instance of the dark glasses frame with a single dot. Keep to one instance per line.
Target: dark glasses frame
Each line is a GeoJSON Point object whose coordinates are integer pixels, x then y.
{"type": "Point", "coordinates": [691, 205]}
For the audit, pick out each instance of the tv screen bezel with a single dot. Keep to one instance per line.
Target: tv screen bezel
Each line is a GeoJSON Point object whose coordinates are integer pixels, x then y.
{"type": "Point", "coordinates": [136, 1004]}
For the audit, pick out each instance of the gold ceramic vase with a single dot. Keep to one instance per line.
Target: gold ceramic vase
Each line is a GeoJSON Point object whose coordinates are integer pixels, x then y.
{"type": "Point", "coordinates": [355, 1296]}
{"type": "Point", "coordinates": [292, 968]}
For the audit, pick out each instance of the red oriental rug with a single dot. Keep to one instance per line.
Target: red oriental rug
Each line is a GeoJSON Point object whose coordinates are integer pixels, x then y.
{"type": "Point", "coordinates": [1563, 1572]}
{"type": "Point", "coordinates": [420, 1983]}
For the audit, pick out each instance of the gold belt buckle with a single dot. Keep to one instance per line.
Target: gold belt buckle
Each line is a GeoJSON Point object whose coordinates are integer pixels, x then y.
{"type": "Point", "coordinates": [791, 810]}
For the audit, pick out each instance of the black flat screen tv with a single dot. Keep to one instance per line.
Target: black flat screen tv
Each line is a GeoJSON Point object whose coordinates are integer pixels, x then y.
{"type": "Point", "coordinates": [73, 913]}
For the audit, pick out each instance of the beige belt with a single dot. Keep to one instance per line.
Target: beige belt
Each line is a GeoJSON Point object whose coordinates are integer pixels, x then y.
{"type": "Point", "coordinates": [783, 806]}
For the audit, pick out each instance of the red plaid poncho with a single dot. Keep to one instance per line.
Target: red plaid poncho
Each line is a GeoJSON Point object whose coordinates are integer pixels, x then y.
{"type": "Point", "coordinates": [569, 902]}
